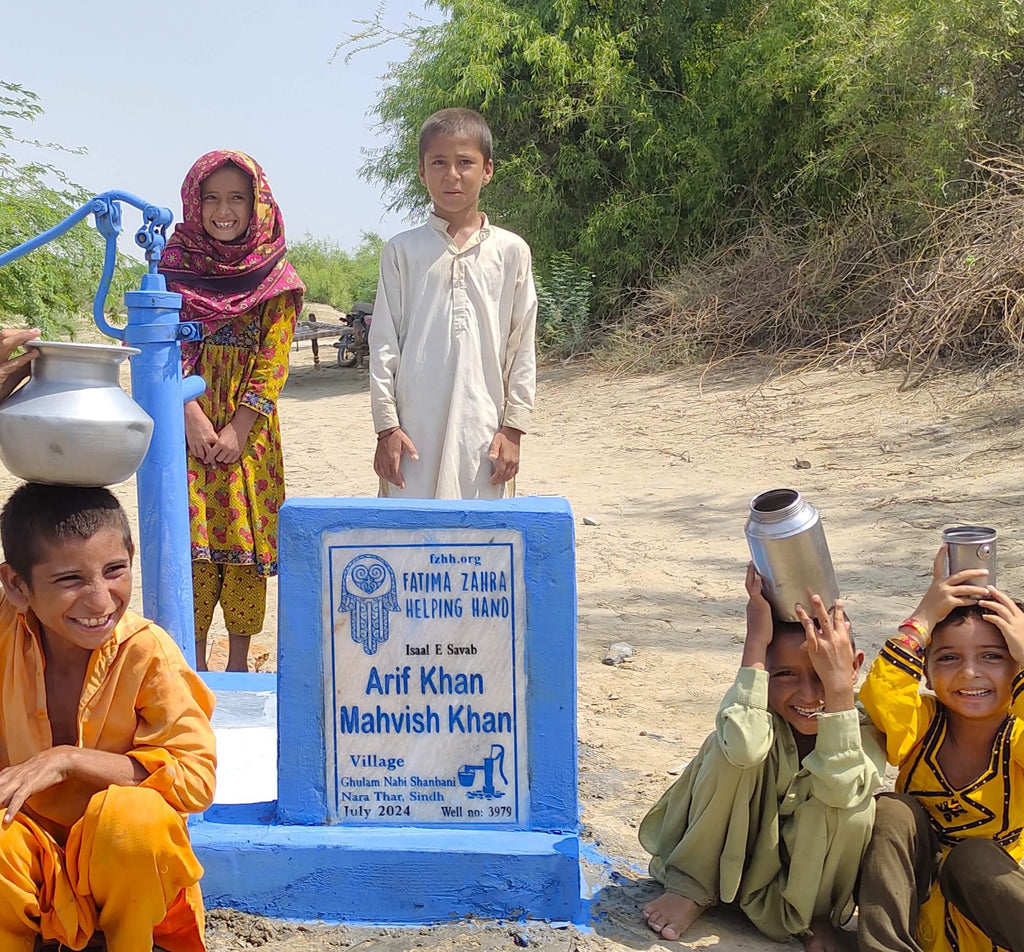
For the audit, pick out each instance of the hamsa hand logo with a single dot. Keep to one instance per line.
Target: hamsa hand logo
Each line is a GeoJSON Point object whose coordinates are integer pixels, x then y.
{"type": "Point", "coordinates": [368, 594]}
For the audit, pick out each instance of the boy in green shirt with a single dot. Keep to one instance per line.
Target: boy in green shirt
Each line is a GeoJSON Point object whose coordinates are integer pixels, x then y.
{"type": "Point", "coordinates": [789, 771]}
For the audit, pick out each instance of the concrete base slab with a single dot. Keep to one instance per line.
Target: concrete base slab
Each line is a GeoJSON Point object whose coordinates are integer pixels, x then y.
{"type": "Point", "coordinates": [402, 875]}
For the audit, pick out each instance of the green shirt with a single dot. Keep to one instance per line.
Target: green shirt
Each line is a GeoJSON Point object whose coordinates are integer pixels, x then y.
{"type": "Point", "coordinates": [728, 828]}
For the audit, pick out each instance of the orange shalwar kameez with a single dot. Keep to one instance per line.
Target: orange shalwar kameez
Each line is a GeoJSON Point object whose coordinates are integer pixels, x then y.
{"type": "Point", "coordinates": [123, 865]}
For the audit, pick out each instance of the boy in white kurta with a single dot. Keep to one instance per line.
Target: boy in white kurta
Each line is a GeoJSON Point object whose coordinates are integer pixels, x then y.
{"type": "Point", "coordinates": [452, 362]}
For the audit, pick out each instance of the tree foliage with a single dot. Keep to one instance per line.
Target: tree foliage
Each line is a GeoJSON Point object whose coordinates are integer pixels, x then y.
{"type": "Point", "coordinates": [334, 276]}
{"type": "Point", "coordinates": [52, 284]}
{"type": "Point", "coordinates": [564, 297]}
{"type": "Point", "coordinates": [637, 134]}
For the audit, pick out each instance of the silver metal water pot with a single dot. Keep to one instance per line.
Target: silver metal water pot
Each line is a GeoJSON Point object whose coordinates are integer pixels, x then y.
{"type": "Point", "coordinates": [788, 546]}
{"type": "Point", "coordinates": [71, 422]}
{"type": "Point", "coordinates": [972, 547]}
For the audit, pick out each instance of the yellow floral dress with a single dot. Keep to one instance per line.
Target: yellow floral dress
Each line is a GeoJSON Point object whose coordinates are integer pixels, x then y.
{"type": "Point", "coordinates": [233, 506]}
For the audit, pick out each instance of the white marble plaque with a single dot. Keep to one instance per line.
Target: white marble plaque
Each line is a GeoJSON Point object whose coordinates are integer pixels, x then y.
{"type": "Point", "coordinates": [426, 693]}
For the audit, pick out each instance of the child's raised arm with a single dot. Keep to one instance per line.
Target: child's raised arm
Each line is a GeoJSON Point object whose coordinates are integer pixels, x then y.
{"type": "Point", "coordinates": [744, 724]}
{"type": "Point", "coordinates": [890, 693]}
{"type": "Point", "coordinates": [831, 652]}
{"type": "Point", "coordinates": [1003, 612]}
{"type": "Point", "coordinates": [1006, 615]}
{"type": "Point", "coordinates": [944, 594]}
{"type": "Point", "coordinates": [759, 622]}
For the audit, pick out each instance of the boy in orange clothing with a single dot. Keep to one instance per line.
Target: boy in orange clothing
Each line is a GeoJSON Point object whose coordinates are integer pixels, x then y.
{"type": "Point", "coordinates": [105, 739]}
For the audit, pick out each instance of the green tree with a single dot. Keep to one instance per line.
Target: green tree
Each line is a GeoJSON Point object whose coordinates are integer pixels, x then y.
{"type": "Point", "coordinates": [56, 282]}
{"type": "Point", "coordinates": [334, 276]}
{"type": "Point", "coordinates": [636, 134]}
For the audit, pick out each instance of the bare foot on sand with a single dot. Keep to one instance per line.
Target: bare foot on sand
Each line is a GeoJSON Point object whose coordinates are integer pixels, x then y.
{"type": "Point", "coordinates": [825, 937]}
{"type": "Point", "coordinates": [670, 915]}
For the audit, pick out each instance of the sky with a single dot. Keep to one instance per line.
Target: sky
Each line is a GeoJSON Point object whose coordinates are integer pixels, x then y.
{"type": "Point", "coordinates": [146, 88]}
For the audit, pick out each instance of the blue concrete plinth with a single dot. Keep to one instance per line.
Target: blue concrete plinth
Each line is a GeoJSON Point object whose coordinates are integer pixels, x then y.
{"type": "Point", "coordinates": [301, 856]}
{"type": "Point", "coordinates": [550, 577]}
{"type": "Point", "coordinates": [377, 875]}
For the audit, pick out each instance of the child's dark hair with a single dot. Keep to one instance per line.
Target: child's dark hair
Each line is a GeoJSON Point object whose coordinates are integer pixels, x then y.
{"type": "Point", "coordinates": [456, 122]}
{"type": "Point", "coordinates": [780, 627]}
{"type": "Point", "coordinates": [961, 613]}
{"type": "Point", "coordinates": [37, 515]}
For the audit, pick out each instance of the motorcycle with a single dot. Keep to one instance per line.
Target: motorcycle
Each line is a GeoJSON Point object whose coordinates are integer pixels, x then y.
{"type": "Point", "coordinates": [354, 343]}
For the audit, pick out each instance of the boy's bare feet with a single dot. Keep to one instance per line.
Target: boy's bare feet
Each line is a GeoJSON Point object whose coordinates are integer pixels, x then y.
{"type": "Point", "coordinates": [825, 937]}
{"type": "Point", "coordinates": [670, 915]}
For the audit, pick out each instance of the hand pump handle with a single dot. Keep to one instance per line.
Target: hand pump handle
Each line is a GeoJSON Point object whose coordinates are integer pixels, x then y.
{"type": "Point", "coordinates": [154, 327]}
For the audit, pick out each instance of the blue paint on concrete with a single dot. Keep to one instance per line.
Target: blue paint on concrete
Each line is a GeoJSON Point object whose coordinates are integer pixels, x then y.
{"type": "Point", "coordinates": [592, 854]}
{"type": "Point", "coordinates": [280, 859]}
{"type": "Point", "coordinates": [259, 813]}
{"type": "Point", "coordinates": [256, 681]}
{"type": "Point", "coordinates": [398, 875]}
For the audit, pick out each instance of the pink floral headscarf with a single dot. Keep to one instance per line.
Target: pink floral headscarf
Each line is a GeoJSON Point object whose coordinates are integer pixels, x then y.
{"type": "Point", "coordinates": [218, 280]}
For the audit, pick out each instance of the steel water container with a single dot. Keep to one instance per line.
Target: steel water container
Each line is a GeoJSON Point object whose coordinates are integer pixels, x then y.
{"type": "Point", "coordinates": [790, 552]}
{"type": "Point", "coordinates": [71, 422]}
{"type": "Point", "coordinates": [972, 547]}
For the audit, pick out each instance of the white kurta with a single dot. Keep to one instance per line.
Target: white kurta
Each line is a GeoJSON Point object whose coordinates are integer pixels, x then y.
{"type": "Point", "coordinates": [452, 356]}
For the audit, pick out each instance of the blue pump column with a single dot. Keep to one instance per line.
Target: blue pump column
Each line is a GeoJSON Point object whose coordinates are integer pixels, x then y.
{"type": "Point", "coordinates": [164, 539]}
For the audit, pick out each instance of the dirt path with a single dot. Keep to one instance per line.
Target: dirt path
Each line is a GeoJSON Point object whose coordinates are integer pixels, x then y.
{"type": "Point", "coordinates": [666, 465]}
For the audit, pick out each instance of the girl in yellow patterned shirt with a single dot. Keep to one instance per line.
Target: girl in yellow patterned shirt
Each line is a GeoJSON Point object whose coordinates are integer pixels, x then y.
{"type": "Point", "coordinates": [228, 261]}
{"type": "Point", "coordinates": [941, 872]}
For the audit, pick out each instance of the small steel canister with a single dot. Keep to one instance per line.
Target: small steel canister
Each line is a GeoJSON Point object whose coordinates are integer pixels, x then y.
{"type": "Point", "coordinates": [972, 547]}
{"type": "Point", "coordinates": [789, 550]}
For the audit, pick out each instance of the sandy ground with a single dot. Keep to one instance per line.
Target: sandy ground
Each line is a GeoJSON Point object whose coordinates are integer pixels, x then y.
{"type": "Point", "coordinates": [665, 466]}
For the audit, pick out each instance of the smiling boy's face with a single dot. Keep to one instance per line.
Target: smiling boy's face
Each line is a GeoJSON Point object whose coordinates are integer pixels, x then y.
{"type": "Point", "coordinates": [795, 691]}
{"type": "Point", "coordinates": [970, 669]}
{"type": "Point", "coordinates": [79, 590]}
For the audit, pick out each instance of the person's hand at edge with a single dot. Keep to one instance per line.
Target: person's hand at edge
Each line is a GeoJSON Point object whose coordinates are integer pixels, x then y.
{"type": "Point", "coordinates": [15, 369]}
{"type": "Point", "coordinates": [504, 454]}
{"type": "Point", "coordinates": [387, 459]}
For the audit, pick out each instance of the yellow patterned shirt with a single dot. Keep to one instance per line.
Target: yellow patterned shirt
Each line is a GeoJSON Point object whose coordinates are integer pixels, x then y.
{"type": "Point", "coordinates": [992, 805]}
{"type": "Point", "coordinates": [233, 507]}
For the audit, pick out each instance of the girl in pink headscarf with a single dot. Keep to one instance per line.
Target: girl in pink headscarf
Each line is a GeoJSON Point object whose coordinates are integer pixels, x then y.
{"type": "Point", "coordinates": [227, 260]}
